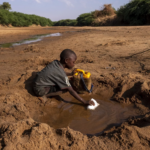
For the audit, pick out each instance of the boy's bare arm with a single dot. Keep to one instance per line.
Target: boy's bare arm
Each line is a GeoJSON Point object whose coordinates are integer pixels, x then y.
{"type": "Point", "coordinates": [72, 73]}
{"type": "Point", "coordinates": [75, 95]}
{"type": "Point", "coordinates": [69, 74]}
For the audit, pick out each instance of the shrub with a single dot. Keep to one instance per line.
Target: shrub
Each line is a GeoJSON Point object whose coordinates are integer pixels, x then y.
{"type": "Point", "coordinates": [85, 19]}
{"type": "Point", "coordinates": [22, 20]}
{"type": "Point", "coordinates": [107, 10]}
{"type": "Point", "coordinates": [73, 23]}
{"type": "Point", "coordinates": [136, 12]}
{"type": "Point", "coordinates": [4, 17]}
{"type": "Point", "coordinates": [66, 22]}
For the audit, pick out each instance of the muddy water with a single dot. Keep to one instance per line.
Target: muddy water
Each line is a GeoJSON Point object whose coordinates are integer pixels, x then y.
{"type": "Point", "coordinates": [31, 40]}
{"type": "Point", "coordinates": [69, 112]}
{"type": "Point", "coordinates": [36, 39]}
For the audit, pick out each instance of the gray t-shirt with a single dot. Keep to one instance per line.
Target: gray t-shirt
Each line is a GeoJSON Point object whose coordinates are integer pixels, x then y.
{"type": "Point", "coordinates": [53, 75]}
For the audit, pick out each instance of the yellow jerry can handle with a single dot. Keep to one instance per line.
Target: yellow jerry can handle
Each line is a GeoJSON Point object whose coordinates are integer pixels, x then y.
{"type": "Point", "coordinates": [85, 74]}
{"type": "Point", "coordinates": [80, 70]}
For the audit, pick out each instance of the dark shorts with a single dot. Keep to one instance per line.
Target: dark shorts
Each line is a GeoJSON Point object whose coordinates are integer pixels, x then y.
{"type": "Point", "coordinates": [41, 90]}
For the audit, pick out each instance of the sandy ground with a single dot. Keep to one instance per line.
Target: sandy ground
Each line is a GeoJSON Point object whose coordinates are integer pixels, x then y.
{"type": "Point", "coordinates": [118, 59]}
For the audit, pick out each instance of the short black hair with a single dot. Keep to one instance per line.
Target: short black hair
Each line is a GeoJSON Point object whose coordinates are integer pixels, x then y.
{"type": "Point", "coordinates": [66, 54]}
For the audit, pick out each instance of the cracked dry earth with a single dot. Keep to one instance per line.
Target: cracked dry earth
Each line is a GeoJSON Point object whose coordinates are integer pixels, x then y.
{"type": "Point", "coordinates": [119, 61]}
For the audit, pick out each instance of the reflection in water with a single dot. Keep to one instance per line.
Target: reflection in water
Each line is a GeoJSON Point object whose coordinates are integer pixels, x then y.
{"type": "Point", "coordinates": [31, 40]}
{"type": "Point", "coordinates": [77, 117]}
{"type": "Point", "coordinates": [36, 39]}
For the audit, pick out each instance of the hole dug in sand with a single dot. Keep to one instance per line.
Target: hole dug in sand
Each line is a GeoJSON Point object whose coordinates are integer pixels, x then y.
{"type": "Point", "coordinates": [70, 113]}
{"type": "Point", "coordinates": [130, 91]}
{"type": "Point", "coordinates": [19, 131]}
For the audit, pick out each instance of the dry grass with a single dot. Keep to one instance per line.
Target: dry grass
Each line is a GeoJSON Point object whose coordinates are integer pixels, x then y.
{"type": "Point", "coordinates": [106, 16]}
{"type": "Point", "coordinates": [107, 21]}
{"type": "Point", "coordinates": [107, 10]}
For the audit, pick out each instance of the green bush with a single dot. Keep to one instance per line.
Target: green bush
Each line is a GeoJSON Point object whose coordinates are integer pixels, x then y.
{"type": "Point", "coordinates": [136, 12]}
{"type": "Point", "coordinates": [22, 20]}
{"type": "Point", "coordinates": [66, 22]}
{"type": "Point", "coordinates": [73, 23]}
{"type": "Point", "coordinates": [85, 19]}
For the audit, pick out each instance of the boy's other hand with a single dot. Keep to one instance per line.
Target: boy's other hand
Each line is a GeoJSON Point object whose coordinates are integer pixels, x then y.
{"type": "Point", "coordinates": [74, 70]}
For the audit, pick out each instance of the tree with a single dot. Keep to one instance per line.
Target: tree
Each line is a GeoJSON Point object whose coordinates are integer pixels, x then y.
{"type": "Point", "coordinates": [136, 12]}
{"type": "Point", "coordinates": [5, 6]}
{"type": "Point", "coordinates": [85, 19]}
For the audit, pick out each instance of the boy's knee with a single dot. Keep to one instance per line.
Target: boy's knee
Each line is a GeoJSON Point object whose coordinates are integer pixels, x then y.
{"type": "Point", "coordinates": [64, 91]}
{"type": "Point", "coordinates": [39, 91]}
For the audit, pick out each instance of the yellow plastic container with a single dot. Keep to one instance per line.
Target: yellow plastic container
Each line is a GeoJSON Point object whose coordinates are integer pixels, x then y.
{"type": "Point", "coordinates": [86, 74]}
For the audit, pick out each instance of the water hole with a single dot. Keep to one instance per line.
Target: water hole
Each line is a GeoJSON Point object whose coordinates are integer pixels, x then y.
{"type": "Point", "coordinates": [69, 112]}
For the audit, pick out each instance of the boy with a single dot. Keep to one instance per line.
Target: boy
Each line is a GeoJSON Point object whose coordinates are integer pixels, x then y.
{"type": "Point", "coordinates": [53, 80]}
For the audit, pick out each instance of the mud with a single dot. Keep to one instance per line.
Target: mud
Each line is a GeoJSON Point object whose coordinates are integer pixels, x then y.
{"type": "Point", "coordinates": [123, 91]}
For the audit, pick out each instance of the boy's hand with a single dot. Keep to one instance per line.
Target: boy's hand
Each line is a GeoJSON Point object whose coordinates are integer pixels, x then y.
{"type": "Point", "coordinates": [75, 95]}
{"type": "Point", "coordinates": [89, 103]}
{"type": "Point", "coordinates": [73, 72]}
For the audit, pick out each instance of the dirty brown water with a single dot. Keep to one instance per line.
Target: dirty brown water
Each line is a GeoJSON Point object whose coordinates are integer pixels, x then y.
{"type": "Point", "coordinates": [69, 112]}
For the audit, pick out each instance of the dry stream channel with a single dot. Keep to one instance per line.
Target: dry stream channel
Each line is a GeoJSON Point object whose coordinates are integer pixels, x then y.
{"type": "Point", "coordinates": [118, 59]}
{"type": "Point", "coordinates": [70, 113]}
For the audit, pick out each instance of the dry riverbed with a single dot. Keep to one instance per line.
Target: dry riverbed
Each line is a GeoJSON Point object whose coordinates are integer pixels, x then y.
{"type": "Point", "coordinates": [119, 61]}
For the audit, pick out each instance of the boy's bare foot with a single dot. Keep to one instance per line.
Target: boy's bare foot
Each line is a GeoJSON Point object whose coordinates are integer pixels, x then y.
{"type": "Point", "coordinates": [43, 99]}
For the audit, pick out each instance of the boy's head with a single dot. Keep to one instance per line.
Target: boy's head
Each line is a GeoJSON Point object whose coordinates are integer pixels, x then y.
{"type": "Point", "coordinates": [68, 57]}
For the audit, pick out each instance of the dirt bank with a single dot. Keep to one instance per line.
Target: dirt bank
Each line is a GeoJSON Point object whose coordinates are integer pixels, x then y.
{"type": "Point", "coordinates": [118, 59]}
